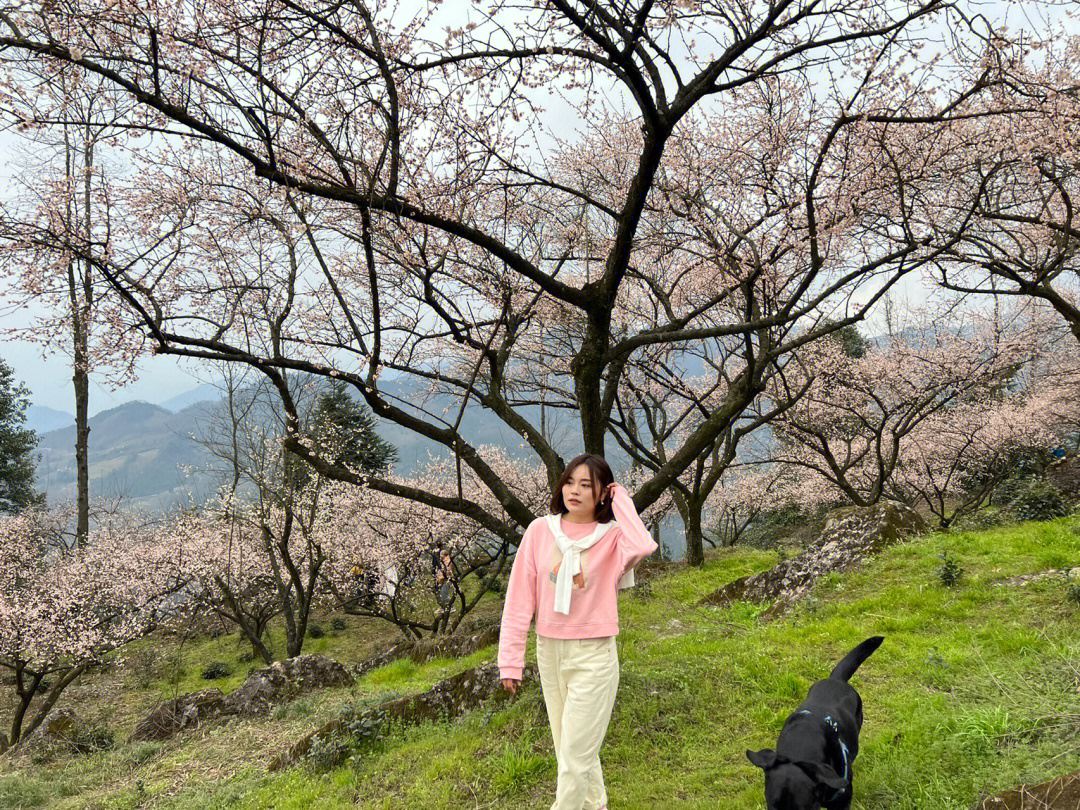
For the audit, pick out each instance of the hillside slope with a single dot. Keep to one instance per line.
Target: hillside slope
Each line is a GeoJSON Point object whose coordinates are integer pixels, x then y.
{"type": "Point", "coordinates": [974, 690]}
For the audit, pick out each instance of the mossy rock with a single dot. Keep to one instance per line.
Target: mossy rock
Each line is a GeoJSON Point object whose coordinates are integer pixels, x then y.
{"type": "Point", "coordinates": [186, 711]}
{"type": "Point", "coordinates": [849, 535]}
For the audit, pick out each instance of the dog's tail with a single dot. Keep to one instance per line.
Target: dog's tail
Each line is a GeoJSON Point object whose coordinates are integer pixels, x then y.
{"type": "Point", "coordinates": [851, 662]}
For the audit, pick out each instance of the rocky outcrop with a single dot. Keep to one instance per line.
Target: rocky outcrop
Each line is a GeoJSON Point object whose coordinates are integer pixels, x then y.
{"type": "Point", "coordinates": [1062, 793]}
{"type": "Point", "coordinates": [186, 711]}
{"type": "Point", "coordinates": [849, 535]}
{"type": "Point", "coordinates": [453, 646]}
{"type": "Point", "coordinates": [63, 729]}
{"type": "Point", "coordinates": [282, 681]}
{"type": "Point", "coordinates": [450, 698]}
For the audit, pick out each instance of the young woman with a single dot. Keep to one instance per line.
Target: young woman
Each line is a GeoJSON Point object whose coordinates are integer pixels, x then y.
{"type": "Point", "coordinates": [567, 571]}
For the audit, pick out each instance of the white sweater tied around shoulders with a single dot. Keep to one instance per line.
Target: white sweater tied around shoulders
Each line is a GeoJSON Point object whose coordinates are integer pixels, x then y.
{"type": "Point", "coordinates": [571, 562]}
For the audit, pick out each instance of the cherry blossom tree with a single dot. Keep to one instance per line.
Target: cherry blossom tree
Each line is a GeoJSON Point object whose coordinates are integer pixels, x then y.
{"type": "Point", "coordinates": [256, 551]}
{"type": "Point", "coordinates": [399, 541]}
{"type": "Point", "coordinates": [955, 458]}
{"type": "Point", "coordinates": [742, 495]}
{"type": "Point", "coordinates": [702, 180]}
{"type": "Point", "coordinates": [849, 430]}
{"type": "Point", "coordinates": [1024, 243]}
{"type": "Point", "coordinates": [64, 608]}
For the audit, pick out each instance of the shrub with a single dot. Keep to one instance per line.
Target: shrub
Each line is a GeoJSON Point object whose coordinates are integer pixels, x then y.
{"type": "Point", "coordinates": [327, 753]}
{"type": "Point", "coordinates": [949, 572]}
{"type": "Point", "coordinates": [215, 670]}
{"type": "Point", "coordinates": [337, 624]}
{"type": "Point", "coordinates": [770, 525]}
{"type": "Point", "coordinates": [315, 631]}
{"type": "Point", "coordinates": [985, 518]}
{"type": "Point", "coordinates": [642, 590]}
{"type": "Point", "coordinates": [1039, 501]}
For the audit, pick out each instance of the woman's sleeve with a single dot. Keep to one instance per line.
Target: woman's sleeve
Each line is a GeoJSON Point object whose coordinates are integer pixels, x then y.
{"type": "Point", "coordinates": [635, 542]}
{"type": "Point", "coordinates": [518, 609]}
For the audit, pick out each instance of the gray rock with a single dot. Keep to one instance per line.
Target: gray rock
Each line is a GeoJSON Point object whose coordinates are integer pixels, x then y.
{"type": "Point", "coordinates": [450, 698]}
{"type": "Point", "coordinates": [1067, 574]}
{"type": "Point", "coordinates": [186, 711]}
{"type": "Point", "coordinates": [63, 729]}
{"type": "Point", "coordinates": [60, 726]}
{"type": "Point", "coordinates": [282, 681]}
{"type": "Point", "coordinates": [849, 535]}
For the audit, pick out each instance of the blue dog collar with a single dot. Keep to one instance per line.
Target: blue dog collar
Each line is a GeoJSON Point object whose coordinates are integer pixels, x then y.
{"type": "Point", "coordinates": [829, 722]}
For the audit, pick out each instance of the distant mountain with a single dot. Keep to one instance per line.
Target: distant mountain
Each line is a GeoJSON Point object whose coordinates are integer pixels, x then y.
{"type": "Point", "coordinates": [200, 393]}
{"type": "Point", "coordinates": [137, 450]}
{"type": "Point", "coordinates": [41, 419]}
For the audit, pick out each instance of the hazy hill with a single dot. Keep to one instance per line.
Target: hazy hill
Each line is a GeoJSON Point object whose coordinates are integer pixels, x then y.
{"type": "Point", "coordinates": [41, 419]}
{"type": "Point", "coordinates": [200, 393]}
{"type": "Point", "coordinates": [137, 450]}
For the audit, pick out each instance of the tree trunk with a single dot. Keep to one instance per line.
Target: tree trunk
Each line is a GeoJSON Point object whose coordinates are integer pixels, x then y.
{"type": "Point", "coordinates": [82, 433]}
{"type": "Point", "coordinates": [695, 550]}
{"type": "Point", "coordinates": [80, 291]}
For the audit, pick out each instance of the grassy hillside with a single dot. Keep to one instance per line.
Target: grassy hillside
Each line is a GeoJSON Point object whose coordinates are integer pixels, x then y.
{"type": "Point", "coordinates": [975, 689]}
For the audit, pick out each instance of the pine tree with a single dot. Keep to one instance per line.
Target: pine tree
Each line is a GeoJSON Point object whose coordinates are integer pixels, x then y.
{"type": "Point", "coordinates": [346, 432]}
{"type": "Point", "coordinates": [17, 460]}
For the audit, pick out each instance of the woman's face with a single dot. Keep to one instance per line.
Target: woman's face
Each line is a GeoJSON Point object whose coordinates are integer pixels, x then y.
{"type": "Point", "coordinates": [580, 494]}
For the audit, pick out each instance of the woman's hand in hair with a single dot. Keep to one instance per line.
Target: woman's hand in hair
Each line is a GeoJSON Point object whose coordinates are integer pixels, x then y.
{"type": "Point", "coordinates": [511, 685]}
{"type": "Point", "coordinates": [609, 492]}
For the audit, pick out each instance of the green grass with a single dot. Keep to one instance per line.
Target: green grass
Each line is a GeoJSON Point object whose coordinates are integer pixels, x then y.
{"type": "Point", "coordinates": [974, 690]}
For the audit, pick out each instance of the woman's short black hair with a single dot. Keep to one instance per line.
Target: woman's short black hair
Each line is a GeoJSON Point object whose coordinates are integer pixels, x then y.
{"type": "Point", "coordinates": [601, 476]}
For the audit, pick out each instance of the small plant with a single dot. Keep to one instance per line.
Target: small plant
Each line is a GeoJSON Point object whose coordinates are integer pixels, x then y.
{"type": "Point", "coordinates": [315, 631]}
{"type": "Point", "coordinates": [215, 670]}
{"type": "Point", "coordinates": [369, 726]}
{"type": "Point", "coordinates": [514, 769]}
{"type": "Point", "coordinates": [337, 624]}
{"type": "Point", "coordinates": [144, 665]}
{"type": "Point", "coordinates": [949, 572]}
{"type": "Point", "coordinates": [934, 660]}
{"type": "Point", "coordinates": [1072, 593]}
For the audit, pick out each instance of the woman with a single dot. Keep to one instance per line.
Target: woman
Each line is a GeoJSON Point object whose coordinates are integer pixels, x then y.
{"type": "Point", "coordinates": [568, 570]}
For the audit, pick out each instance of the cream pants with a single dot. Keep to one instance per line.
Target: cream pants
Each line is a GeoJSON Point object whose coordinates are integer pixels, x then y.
{"type": "Point", "coordinates": [579, 677]}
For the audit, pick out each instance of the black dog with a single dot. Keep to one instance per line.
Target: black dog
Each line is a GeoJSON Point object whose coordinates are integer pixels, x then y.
{"type": "Point", "coordinates": [811, 766]}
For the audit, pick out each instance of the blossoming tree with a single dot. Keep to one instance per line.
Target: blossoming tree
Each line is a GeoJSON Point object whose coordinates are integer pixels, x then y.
{"type": "Point", "coordinates": [701, 178]}
{"type": "Point", "coordinates": [62, 609]}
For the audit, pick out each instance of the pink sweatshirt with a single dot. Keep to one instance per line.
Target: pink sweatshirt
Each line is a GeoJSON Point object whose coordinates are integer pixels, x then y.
{"type": "Point", "coordinates": [594, 608]}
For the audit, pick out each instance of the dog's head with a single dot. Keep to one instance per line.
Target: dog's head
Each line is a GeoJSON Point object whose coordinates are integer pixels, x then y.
{"type": "Point", "coordinates": [795, 785]}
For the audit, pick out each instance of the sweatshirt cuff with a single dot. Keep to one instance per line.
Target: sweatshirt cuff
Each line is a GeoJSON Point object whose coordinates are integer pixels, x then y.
{"type": "Point", "coordinates": [510, 672]}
